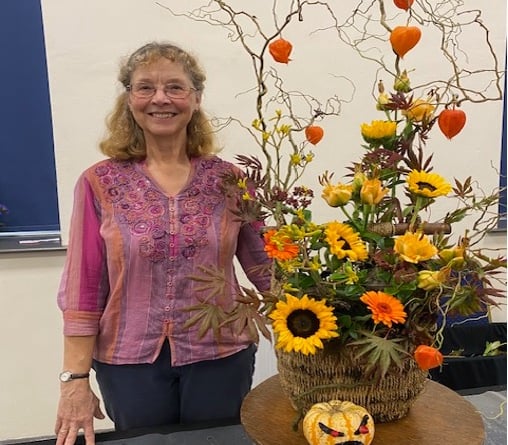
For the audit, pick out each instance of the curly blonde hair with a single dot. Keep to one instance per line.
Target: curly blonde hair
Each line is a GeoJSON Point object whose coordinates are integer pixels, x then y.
{"type": "Point", "coordinates": [124, 138]}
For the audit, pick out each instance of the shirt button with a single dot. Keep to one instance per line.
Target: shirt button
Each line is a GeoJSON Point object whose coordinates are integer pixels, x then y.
{"type": "Point", "coordinates": [167, 308]}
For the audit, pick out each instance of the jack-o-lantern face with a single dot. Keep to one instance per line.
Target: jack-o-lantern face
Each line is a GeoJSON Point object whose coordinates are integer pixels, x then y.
{"type": "Point", "coordinates": [338, 423]}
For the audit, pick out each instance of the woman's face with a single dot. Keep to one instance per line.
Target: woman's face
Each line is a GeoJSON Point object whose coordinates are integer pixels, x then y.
{"type": "Point", "coordinates": [161, 115]}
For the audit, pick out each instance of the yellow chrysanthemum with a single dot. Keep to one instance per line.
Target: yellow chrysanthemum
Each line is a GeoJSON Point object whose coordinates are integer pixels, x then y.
{"type": "Point", "coordinates": [302, 323]}
{"type": "Point", "coordinates": [414, 247]}
{"type": "Point", "coordinates": [430, 185]}
{"type": "Point", "coordinates": [378, 131]}
{"type": "Point", "coordinates": [345, 242]}
{"type": "Point", "coordinates": [279, 246]}
{"type": "Point", "coordinates": [385, 308]}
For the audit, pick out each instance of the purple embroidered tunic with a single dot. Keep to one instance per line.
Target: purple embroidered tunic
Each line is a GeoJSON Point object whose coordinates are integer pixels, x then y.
{"type": "Point", "coordinates": [131, 255]}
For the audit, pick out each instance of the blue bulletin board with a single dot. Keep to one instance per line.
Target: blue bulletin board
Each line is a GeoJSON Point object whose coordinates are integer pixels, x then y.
{"type": "Point", "coordinates": [27, 162]}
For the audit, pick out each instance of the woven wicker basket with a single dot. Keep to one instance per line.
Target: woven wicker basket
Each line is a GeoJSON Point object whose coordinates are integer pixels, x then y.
{"type": "Point", "coordinates": [334, 374]}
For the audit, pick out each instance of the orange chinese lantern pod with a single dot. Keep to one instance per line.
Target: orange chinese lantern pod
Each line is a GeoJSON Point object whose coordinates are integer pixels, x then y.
{"type": "Point", "coordinates": [280, 50]}
{"type": "Point", "coordinates": [451, 122]}
{"type": "Point", "coordinates": [403, 4]}
{"type": "Point", "coordinates": [314, 134]}
{"type": "Point", "coordinates": [428, 357]}
{"type": "Point", "coordinates": [404, 38]}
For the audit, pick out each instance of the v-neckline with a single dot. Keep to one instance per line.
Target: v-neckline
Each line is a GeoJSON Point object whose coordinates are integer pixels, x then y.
{"type": "Point", "coordinates": [144, 170]}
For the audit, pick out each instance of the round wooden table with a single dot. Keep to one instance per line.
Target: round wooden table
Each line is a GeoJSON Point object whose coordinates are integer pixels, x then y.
{"type": "Point", "coordinates": [439, 416]}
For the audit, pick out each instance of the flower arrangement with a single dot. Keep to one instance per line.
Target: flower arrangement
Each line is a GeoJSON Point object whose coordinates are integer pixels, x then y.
{"type": "Point", "coordinates": [380, 273]}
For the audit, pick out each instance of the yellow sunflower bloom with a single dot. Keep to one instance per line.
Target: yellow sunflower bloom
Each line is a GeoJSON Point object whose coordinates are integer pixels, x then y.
{"type": "Point", "coordinates": [385, 308]}
{"type": "Point", "coordinates": [378, 131]}
{"type": "Point", "coordinates": [414, 247]}
{"type": "Point", "coordinates": [429, 185]}
{"type": "Point", "coordinates": [302, 323]}
{"type": "Point", "coordinates": [280, 246]}
{"type": "Point", "coordinates": [345, 242]}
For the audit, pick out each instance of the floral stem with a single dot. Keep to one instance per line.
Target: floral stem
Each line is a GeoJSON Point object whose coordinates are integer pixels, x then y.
{"type": "Point", "coordinates": [350, 219]}
{"type": "Point", "coordinates": [416, 210]}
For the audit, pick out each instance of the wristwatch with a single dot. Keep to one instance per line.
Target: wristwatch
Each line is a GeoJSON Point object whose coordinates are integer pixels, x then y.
{"type": "Point", "coordinates": [67, 376]}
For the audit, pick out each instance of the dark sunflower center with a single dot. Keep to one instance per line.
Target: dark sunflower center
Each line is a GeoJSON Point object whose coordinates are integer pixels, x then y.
{"type": "Point", "coordinates": [346, 245]}
{"type": "Point", "coordinates": [425, 185]}
{"type": "Point", "coordinates": [303, 323]}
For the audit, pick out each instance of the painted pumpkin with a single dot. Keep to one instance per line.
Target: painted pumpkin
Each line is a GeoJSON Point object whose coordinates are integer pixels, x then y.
{"type": "Point", "coordinates": [338, 422]}
{"type": "Point", "coordinates": [451, 122]}
{"type": "Point", "coordinates": [404, 38]}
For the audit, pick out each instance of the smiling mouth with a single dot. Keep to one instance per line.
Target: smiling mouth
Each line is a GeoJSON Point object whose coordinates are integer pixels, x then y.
{"type": "Point", "coordinates": [162, 115]}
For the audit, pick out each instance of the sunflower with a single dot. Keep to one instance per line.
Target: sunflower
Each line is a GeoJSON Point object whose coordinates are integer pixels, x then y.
{"type": "Point", "coordinates": [429, 185]}
{"type": "Point", "coordinates": [279, 246]}
{"type": "Point", "coordinates": [345, 242]}
{"type": "Point", "coordinates": [302, 324]}
{"type": "Point", "coordinates": [385, 308]}
{"type": "Point", "coordinates": [414, 247]}
{"type": "Point", "coordinates": [378, 131]}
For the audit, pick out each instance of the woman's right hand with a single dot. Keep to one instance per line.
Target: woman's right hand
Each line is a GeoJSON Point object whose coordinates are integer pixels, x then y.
{"type": "Point", "coordinates": [76, 410]}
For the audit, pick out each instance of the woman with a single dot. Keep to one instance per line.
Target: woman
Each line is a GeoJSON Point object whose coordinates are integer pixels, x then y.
{"type": "Point", "coordinates": [146, 222]}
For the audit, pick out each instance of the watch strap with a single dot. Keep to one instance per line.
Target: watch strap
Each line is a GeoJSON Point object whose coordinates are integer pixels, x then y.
{"type": "Point", "coordinates": [80, 375]}
{"type": "Point", "coordinates": [67, 376]}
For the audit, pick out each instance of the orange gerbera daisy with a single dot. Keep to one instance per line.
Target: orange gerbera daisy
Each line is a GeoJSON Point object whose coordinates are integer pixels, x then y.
{"type": "Point", "coordinates": [385, 308]}
{"type": "Point", "coordinates": [279, 246]}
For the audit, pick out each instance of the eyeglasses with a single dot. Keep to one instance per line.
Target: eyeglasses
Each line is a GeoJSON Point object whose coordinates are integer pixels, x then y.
{"type": "Point", "coordinates": [171, 90]}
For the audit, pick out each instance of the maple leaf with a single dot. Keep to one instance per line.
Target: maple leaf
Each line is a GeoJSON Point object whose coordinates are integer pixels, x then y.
{"type": "Point", "coordinates": [249, 315]}
{"type": "Point", "coordinates": [381, 352]}
{"type": "Point", "coordinates": [213, 280]}
{"type": "Point", "coordinates": [209, 315]}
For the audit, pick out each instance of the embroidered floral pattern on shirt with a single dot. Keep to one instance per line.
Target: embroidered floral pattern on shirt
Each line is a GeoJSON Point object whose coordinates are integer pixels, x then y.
{"type": "Point", "coordinates": [202, 198]}
{"type": "Point", "coordinates": [139, 205]}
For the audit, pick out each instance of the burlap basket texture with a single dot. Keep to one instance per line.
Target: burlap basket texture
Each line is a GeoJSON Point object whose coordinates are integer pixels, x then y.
{"type": "Point", "coordinates": [335, 374]}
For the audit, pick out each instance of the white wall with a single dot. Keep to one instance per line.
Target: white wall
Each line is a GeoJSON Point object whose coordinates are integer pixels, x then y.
{"type": "Point", "coordinates": [84, 41]}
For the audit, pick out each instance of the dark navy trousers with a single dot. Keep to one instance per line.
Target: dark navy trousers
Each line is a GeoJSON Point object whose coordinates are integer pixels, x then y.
{"type": "Point", "coordinates": [158, 394]}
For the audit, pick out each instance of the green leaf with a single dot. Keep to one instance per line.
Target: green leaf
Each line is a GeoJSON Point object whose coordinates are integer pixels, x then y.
{"type": "Point", "coordinates": [345, 321]}
{"type": "Point", "coordinates": [493, 348]}
{"type": "Point", "coordinates": [381, 353]}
